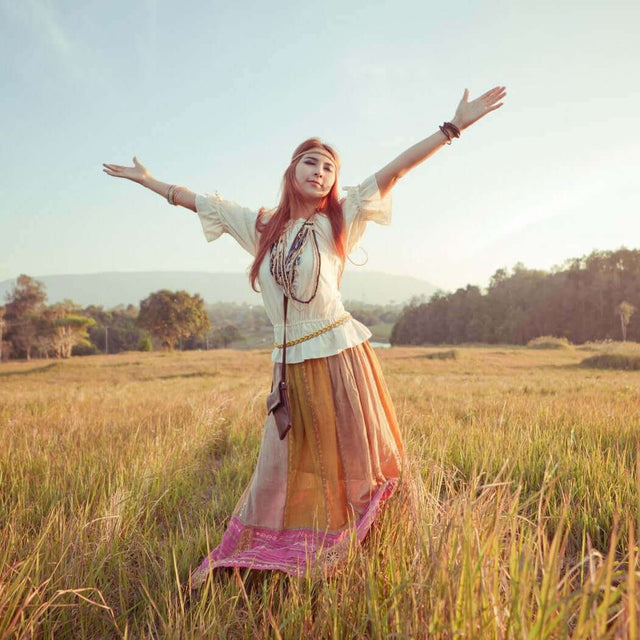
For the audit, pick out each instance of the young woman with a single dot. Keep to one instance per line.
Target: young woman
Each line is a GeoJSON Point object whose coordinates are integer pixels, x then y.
{"type": "Point", "coordinates": [343, 455]}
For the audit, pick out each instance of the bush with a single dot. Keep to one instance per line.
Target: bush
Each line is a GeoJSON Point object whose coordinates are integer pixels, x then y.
{"type": "Point", "coordinates": [622, 361]}
{"type": "Point", "coordinates": [548, 342]}
{"type": "Point", "coordinates": [84, 349]}
{"type": "Point", "coordinates": [145, 344]}
{"type": "Point", "coordinates": [451, 354]}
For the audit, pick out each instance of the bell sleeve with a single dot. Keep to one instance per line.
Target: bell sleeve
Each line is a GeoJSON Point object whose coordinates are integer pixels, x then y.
{"type": "Point", "coordinates": [364, 204]}
{"type": "Point", "coordinates": [219, 216]}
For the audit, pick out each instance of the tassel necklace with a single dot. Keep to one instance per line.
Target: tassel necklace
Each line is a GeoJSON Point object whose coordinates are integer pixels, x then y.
{"type": "Point", "coordinates": [284, 265]}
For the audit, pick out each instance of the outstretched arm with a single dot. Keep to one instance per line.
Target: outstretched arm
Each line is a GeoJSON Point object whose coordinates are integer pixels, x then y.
{"type": "Point", "coordinates": [466, 114]}
{"type": "Point", "coordinates": [140, 174]}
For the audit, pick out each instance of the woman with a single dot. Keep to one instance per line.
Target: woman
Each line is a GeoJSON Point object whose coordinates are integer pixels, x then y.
{"type": "Point", "coordinates": [343, 455]}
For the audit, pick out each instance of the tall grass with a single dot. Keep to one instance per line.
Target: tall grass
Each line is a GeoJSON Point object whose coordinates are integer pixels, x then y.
{"type": "Point", "coordinates": [517, 515]}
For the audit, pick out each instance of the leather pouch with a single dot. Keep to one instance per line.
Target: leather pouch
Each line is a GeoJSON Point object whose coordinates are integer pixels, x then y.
{"type": "Point", "coordinates": [278, 404]}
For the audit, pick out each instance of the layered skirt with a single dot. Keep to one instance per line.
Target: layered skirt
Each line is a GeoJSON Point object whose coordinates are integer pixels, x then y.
{"type": "Point", "coordinates": [321, 487]}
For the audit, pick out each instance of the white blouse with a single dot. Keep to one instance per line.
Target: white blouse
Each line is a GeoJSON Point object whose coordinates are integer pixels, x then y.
{"type": "Point", "coordinates": [362, 204]}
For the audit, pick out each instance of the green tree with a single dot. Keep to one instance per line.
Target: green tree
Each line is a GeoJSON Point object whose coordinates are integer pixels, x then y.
{"type": "Point", "coordinates": [172, 316]}
{"type": "Point", "coordinates": [116, 330]}
{"type": "Point", "coordinates": [573, 301]}
{"type": "Point", "coordinates": [25, 303]}
{"type": "Point", "coordinates": [61, 327]}
{"type": "Point", "coordinates": [69, 328]}
{"type": "Point", "coordinates": [625, 311]}
{"type": "Point", "coordinates": [225, 335]}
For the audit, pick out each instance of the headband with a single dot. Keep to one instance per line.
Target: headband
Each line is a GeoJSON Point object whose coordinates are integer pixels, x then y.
{"type": "Point", "coordinates": [320, 150]}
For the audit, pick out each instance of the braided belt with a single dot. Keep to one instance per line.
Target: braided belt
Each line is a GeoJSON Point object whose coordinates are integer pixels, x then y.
{"type": "Point", "coordinates": [317, 332]}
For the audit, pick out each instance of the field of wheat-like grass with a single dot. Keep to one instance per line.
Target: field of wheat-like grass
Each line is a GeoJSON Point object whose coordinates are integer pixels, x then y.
{"type": "Point", "coordinates": [517, 516]}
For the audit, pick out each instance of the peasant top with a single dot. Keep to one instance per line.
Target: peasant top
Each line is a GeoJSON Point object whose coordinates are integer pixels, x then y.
{"type": "Point", "coordinates": [361, 205]}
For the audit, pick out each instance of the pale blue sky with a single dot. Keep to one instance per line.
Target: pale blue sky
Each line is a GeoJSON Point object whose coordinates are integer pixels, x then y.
{"type": "Point", "coordinates": [216, 95]}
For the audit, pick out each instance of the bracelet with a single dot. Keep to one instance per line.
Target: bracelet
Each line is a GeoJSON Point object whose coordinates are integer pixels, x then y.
{"type": "Point", "coordinates": [171, 194]}
{"type": "Point", "coordinates": [446, 133]}
{"type": "Point", "coordinates": [450, 131]}
{"type": "Point", "coordinates": [453, 128]}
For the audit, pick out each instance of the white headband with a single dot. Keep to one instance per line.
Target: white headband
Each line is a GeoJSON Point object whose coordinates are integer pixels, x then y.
{"type": "Point", "coordinates": [320, 150]}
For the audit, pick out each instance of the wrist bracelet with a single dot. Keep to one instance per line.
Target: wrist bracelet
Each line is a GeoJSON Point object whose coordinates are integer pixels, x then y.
{"type": "Point", "coordinates": [171, 194]}
{"type": "Point", "coordinates": [450, 131]}
{"type": "Point", "coordinates": [446, 134]}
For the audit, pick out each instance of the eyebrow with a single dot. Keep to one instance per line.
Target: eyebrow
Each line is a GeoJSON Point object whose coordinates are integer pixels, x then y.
{"type": "Point", "coordinates": [317, 157]}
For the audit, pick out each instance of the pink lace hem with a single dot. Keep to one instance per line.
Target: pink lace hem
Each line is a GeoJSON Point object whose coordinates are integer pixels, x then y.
{"type": "Point", "coordinates": [293, 551]}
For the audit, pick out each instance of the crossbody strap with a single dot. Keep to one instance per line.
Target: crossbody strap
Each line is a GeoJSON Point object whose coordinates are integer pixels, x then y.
{"type": "Point", "coordinates": [284, 341]}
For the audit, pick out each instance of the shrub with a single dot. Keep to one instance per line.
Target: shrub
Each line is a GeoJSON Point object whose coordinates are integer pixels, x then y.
{"type": "Point", "coordinates": [84, 348]}
{"type": "Point", "coordinates": [622, 361]}
{"type": "Point", "coordinates": [548, 342]}
{"type": "Point", "coordinates": [451, 354]}
{"type": "Point", "coordinates": [145, 344]}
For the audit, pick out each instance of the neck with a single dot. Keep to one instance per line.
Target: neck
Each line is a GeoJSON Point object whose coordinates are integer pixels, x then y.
{"type": "Point", "coordinates": [304, 210]}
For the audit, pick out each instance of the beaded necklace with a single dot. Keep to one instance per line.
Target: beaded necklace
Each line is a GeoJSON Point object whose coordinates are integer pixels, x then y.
{"type": "Point", "coordinates": [284, 264]}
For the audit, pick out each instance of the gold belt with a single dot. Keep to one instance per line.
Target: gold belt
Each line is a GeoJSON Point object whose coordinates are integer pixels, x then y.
{"type": "Point", "coordinates": [317, 332]}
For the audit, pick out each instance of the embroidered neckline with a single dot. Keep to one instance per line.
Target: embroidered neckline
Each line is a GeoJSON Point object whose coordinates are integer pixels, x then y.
{"type": "Point", "coordinates": [284, 264]}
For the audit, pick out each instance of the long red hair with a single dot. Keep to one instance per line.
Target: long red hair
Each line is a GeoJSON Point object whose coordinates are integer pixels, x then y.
{"type": "Point", "coordinates": [270, 227]}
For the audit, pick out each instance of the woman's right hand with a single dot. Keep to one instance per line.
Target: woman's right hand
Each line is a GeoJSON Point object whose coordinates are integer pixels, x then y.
{"type": "Point", "coordinates": [138, 173]}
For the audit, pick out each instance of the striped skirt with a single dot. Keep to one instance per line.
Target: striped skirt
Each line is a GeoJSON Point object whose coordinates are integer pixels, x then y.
{"type": "Point", "coordinates": [325, 482]}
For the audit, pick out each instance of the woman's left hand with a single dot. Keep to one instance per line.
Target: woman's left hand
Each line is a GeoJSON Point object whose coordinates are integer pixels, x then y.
{"type": "Point", "coordinates": [469, 112]}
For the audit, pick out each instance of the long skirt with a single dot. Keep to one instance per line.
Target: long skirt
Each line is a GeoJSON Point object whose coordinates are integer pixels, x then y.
{"type": "Point", "coordinates": [312, 493]}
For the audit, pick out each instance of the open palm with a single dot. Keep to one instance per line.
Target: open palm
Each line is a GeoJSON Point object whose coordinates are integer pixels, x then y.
{"type": "Point", "coordinates": [469, 112]}
{"type": "Point", "coordinates": [137, 173]}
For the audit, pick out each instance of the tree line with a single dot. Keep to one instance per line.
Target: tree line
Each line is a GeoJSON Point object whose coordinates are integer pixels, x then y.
{"type": "Point", "coordinates": [29, 328]}
{"type": "Point", "coordinates": [586, 299]}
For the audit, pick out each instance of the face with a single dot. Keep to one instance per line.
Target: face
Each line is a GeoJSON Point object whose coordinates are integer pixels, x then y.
{"type": "Point", "coordinates": [315, 174]}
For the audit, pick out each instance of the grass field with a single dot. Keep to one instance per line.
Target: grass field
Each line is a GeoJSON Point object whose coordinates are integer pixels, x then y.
{"type": "Point", "coordinates": [517, 516]}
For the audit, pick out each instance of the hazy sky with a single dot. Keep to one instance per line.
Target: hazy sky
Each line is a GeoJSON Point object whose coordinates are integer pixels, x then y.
{"type": "Point", "coordinates": [215, 96]}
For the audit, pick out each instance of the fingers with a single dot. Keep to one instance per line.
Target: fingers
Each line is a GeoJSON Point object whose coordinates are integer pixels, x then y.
{"type": "Point", "coordinates": [497, 97]}
{"type": "Point", "coordinates": [118, 167]}
{"type": "Point", "coordinates": [113, 169]}
{"type": "Point", "coordinates": [491, 97]}
{"type": "Point", "coordinates": [492, 91]}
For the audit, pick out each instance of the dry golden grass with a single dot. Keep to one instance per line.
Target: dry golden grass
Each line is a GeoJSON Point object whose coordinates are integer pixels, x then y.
{"type": "Point", "coordinates": [517, 516]}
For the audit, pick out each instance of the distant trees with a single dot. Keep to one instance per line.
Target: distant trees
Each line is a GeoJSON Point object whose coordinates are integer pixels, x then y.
{"type": "Point", "coordinates": [590, 298]}
{"type": "Point", "coordinates": [580, 301]}
{"type": "Point", "coordinates": [30, 327]}
{"type": "Point", "coordinates": [62, 328]}
{"type": "Point", "coordinates": [25, 304]}
{"type": "Point", "coordinates": [117, 329]}
{"type": "Point", "coordinates": [223, 336]}
{"type": "Point", "coordinates": [625, 311]}
{"type": "Point", "coordinates": [173, 315]}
